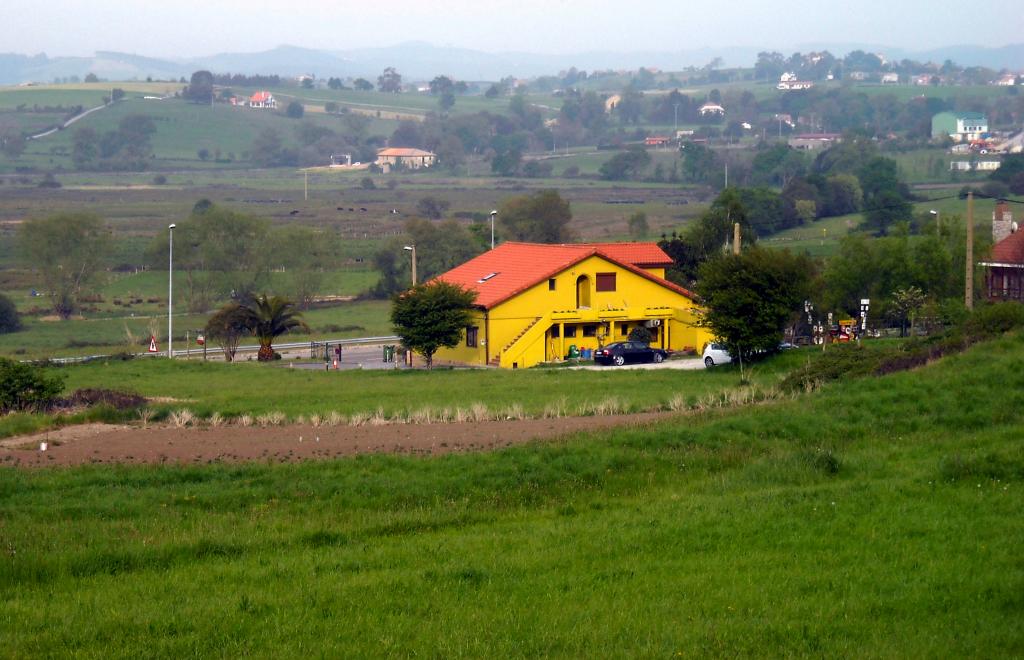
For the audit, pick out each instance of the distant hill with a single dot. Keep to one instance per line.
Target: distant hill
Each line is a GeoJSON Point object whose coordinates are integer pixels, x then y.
{"type": "Point", "coordinates": [419, 61]}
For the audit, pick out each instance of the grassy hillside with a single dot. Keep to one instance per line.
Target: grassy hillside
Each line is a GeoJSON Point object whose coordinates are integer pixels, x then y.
{"type": "Point", "coordinates": [873, 519]}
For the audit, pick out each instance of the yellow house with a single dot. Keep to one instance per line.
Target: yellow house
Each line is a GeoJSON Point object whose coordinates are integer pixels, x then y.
{"type": "Point", "coordinates": [534, 302]}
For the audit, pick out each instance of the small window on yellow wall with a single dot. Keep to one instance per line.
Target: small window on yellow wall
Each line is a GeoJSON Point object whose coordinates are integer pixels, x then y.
{"type": "Point", "coordinates": [551, 284]}
{"type": "Point", "coordinates": [605, 281]}
{"type": "Point", "coordinates": [472, 334]}
{"type": "Point", "coordinates": [624, 329]}
{"type": "Point", "coordinates": [590, 331]}
{"type": "Point", "coordinates": [570, 331]}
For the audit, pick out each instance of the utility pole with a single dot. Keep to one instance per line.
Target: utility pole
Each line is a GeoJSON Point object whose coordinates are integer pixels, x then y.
{"type": "Point", "coordinates": [736, 238]}
{"type": "Point", "coordinates": [306, 185]}
{"type": "Point", "coordinates": [969, 274]}
{"type": "Point", "coordinates": [727, 175]}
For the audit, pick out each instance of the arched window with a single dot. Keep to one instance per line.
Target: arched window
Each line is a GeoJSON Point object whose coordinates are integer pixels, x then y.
{"type": "Point", "coordinates": [583, 292]}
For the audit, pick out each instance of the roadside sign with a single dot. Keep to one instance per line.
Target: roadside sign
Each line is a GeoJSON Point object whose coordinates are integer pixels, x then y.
{"type": "Point", "coordinates": [152, 345]}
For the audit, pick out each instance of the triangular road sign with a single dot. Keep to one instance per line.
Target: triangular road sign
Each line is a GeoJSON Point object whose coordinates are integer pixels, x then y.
{"type": "Point", "coordinates": [152, 344]}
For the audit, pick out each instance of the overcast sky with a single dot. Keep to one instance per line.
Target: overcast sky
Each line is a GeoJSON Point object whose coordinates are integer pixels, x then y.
{"type": "Point", "coordinates": [182, 28]}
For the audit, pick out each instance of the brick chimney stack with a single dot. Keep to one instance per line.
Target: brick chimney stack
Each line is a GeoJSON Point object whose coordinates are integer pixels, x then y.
{"type": "Point", "coordinates": [1002, 220]}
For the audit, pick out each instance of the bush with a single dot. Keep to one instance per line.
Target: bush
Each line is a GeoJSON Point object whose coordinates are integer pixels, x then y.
{"type": "Point", "coordinates": [26, 387]}
{"type": "Point", "coordinates": [640, 334]}
{"type": "Point", "coordinates": [994, 319]}
{"type": "Point", "coordinates": [159, 180]}
{"type": "Point", "coordinates": [10, 320]}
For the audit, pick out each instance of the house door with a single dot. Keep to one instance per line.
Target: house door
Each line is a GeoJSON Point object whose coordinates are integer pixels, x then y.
{"type": "Point", "coordinates": [583, 292]}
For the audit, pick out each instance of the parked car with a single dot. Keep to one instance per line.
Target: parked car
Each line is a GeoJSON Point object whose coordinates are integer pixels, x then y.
{"type": "Point", "coordinates": [715, 354]}
{"type": "Point", "coordinates": [621, 352]}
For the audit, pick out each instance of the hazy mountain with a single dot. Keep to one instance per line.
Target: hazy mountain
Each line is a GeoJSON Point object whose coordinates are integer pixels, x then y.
{"type": "Point", "coordinates": [420, 61]}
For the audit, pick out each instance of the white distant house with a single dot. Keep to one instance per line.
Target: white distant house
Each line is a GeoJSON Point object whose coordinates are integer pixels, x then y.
{"type": "Point", "coordinates": [789, 76]}
{"type": "Point", "coordinates": [961, 126]}
{"type": "Point", "coordinates": [1007, 80]}
{"type": "Point", "coordinates": [795, 85]}
{"type": "Point", "coordinates": [974, 165]}
{"type": "Point", "coordinates": [890, 78]}
{"type": "Point", "coordinates": [709, 109]}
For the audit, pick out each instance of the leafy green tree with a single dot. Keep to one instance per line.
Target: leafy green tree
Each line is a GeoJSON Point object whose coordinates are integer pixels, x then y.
{"type": "Point", "coordinates": [10, 320]}
{"type": "Point", "coordinates": [200, 88]}
{"type": "Point", "coordinates": [303, 253]}
{"type": "Point", "coordinates": [432, 207]}
{"type": "Point", "coordinates": [69, 249]}
{"type": "Point", "coordinates": [390, 81]}
{"type": "Point", "coordinates": [226, 327]}
{"type": "Point", "coordinates": [906, 303]}
{"type": "Point", "coordinates": [628, 164]}
{"type": "Point", "coordinates": [750, 297]}
{"type": "Point", "coordinates": [85, 147]}
{"type": "Point", "coordinates": [362, 85]}
{"type": "Point", "coordinates": [700, 163]}
{"type": "Point", "coordinates": [268, 318]}
{"type": "Point", "coordinates": [219, 251]}
{"type": "Point", "coordinates": [431, 316]}
{"type": "Point", "coordinates": [542, 217]}
{"type": "Point", "coordinates": [638, 226]}
{"type": "Point", "coordinates": [25, 387]}
{"type": "Point", "coordinates": [268, 150]}
{"type": "Point", "coordinates": [295, 110]}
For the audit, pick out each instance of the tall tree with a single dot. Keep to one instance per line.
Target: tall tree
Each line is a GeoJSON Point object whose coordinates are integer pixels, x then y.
{"type": "Point", "coordinates": [390, 81]}
{"type": "Point", "coordinates": [69, 250]}
{"type": "Point", "coordinates": [750, 297]}
{"type": "Point", "coordinates": [542, 217]}
{"type": "Point", "coordinates": [200, 88]}
{"type": "Point", "coordinates": [430, 316]}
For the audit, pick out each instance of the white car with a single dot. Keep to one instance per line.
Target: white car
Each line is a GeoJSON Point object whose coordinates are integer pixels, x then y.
{"type": "Point", "coordinates": [715, 354]}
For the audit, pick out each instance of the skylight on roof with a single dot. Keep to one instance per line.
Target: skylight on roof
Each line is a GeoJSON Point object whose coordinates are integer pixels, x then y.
{"type": "Point", "coordinates": [486, 277]}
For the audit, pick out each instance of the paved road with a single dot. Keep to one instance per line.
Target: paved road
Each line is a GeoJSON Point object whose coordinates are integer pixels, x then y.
{"type": "Point", "coordinates": [687, 364]}
{"type": "Point", "coordinates": [67, 123]}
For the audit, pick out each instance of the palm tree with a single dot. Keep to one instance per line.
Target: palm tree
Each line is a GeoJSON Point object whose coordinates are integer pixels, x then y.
{"type": "Point", "coordinates": [268, 318]}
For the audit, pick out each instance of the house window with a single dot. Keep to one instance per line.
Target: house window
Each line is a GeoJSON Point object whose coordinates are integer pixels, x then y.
{"type": "Point", "coordinates": [570, 331]}
{"type": "Point", "coordinates": [472, 334]}
{"type": "Point", "coordinates": [551, 284]}
{"type": "Point", "coordinates": [590, 331]}
{"type": "Point", "coordinates": [554, 331]}
{"type": "Point", "coordinates": [606, 281]}
{"type": "Point", "coordinates": [624, 330]}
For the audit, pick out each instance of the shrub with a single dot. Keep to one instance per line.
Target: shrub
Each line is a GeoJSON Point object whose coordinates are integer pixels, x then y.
{"type": "Point", "coordinates": [159, 180]}
{"type": "Point", "coordinates": [10, 321]}
{"type": "Point", "coordinates": [640, 334]}
{"type": "Point", "coordinates": [995, 319]}
{"type": "Point", "coordinates": [26, 387]}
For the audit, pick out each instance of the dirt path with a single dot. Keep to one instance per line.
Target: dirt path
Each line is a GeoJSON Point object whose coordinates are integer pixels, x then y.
{"type": "Point", "coordinates": [100, 443]}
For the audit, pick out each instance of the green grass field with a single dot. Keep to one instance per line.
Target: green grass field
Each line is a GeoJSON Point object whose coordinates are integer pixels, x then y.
{"type": "Point", "coordinates": [876, 518]}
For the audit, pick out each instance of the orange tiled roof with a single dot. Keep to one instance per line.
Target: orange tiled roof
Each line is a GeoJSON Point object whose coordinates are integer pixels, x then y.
{"type": "Point", "coordinates": [400, 151]}
{"type": "Point", "coordinates": [1010, 250]}
{"type": "Point", "coordinates": [261, 97]}
{"type": "Point", "coordinates": [515, 267]}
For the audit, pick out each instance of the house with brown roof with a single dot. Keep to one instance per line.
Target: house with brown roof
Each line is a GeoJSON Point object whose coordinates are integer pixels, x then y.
{"type": "Point", "coordinates": [404, 158]}
{"type": "Point", "coordinates": [1004, 278]}
{"type": "Point", "coordinates": [535, 302]}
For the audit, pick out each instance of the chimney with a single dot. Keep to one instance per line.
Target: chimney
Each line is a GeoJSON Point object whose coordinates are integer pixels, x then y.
{"type": "Point", "coordinates": [1002, 221]}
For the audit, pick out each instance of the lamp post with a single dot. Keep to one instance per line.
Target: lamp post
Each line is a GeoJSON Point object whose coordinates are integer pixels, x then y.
{"type": "Point", "coordinates": [412, 248]}
{"type": "Point", "coordinates": [494, 214]}
{"type": "Point", "coordinates": [938, 223]}
{"type": "Point", "coordinates": [170, 288]}
{"type": "Point", "coordinates": [675, 120]}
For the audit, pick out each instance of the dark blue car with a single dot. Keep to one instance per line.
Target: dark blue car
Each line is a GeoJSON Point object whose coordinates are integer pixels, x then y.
{"type": "Point", "coordinates": [622, 352]}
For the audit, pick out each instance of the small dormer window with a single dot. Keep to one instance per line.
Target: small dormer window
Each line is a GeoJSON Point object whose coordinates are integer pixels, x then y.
{"type": "Point", "coordinates": [486, 277]}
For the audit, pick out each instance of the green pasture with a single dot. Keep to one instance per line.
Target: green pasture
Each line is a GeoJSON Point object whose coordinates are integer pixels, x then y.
{"type": "Point", "coordinates": [875, 518]}
{"type": "Point", "coordinates": [254, 388]}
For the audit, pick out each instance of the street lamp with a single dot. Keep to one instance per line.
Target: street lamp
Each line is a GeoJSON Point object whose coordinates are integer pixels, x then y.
{"type": "Point", "coordinates": [170, 288]}
{"type": "Point", "coordinates": [412, 248]}
{"type": "Point", "coordinates": [935, 213]}
{"type": "Point", "coordinates": [494, 214]}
